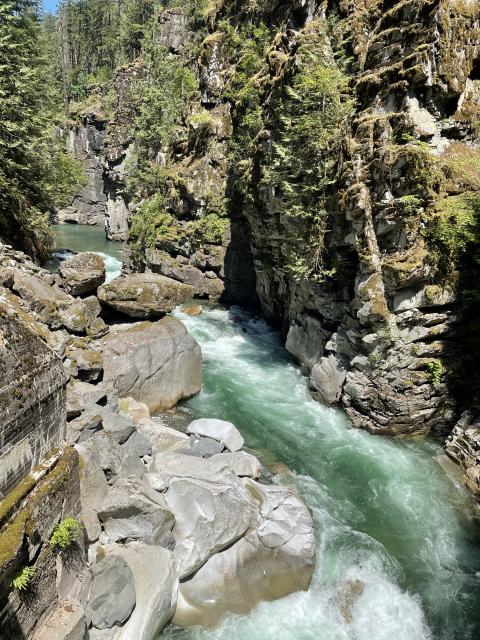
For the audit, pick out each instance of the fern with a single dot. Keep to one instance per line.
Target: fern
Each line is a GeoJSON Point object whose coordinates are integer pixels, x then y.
{"type": "Point", "coordinates": [23, 579]}
{"type": "Point", "coordinates": [65, 534]}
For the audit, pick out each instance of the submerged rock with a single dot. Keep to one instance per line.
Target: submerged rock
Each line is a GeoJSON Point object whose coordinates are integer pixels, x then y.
{"type": "Point", "coordinates": [157, 364]}
{"type": "Point", "coordinates": [144, 295]}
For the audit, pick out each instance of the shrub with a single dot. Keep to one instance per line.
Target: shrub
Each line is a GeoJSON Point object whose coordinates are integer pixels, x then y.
{"type": "Point", "coordinates": [435, 370]}
{"type": "Point", "coordinates": [23, 579]}
{"type": "Point", "coordinates": [65, 534]}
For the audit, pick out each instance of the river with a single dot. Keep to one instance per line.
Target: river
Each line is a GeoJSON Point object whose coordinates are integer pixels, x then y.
{"type": "Point", "coordinates": [386, 514]}
{"type": "Point", "coordinates": [388, 519]}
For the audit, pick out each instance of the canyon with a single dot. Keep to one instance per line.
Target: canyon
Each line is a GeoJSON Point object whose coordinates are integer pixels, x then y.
{"type": "Point", "coordinates": [298, 200]}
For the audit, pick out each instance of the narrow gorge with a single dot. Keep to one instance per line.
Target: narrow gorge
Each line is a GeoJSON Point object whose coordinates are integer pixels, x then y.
{"type": "Point", "coordinates": [239, 293]}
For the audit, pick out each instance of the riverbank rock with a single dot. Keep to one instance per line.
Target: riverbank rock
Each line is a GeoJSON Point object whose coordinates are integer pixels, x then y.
{"type": "Point", "coordinates": [193, 310]}
{"type": "Point", "coordinates": [156, 585]}
{"type": "Point", "coordinates": [82, 273]}
{"type": "Point", "coordinates": [220, 430]}
{"type": "Point", "coordinates": [112, 593]}
{"type": "Point", "coordinates": [132, 510]}
{"type": "Point", "coordinates": [275, 557]}
{"type": "Point", "coordinates": [157, 364]}
{"type": "Point", "coordinates": [144, 295]}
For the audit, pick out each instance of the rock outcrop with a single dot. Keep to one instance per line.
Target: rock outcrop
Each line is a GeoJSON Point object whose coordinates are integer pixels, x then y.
{"type": "Point", "coordinates": [82, 273]}
{"type": "Point", "coordinates": [154, 363]}
{"type": "Point", "coordinates": [144, 295]}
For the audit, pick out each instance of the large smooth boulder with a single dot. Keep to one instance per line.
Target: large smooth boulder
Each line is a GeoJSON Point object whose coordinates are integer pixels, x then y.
{"type": "Point", "coordinates": [132, 510]}
{"type": "Point", "coordinates": [156, 585]}
{"type": "Point", "coordinates": [144, 295]}
{"type": "Point", "coordinates": [273, 559]}
{"type": "Point", "coordinates": [163, 438]}
{"type": "Point", "coordinates": [209, 516]}
{"type": "Point", "coordinates": [112, 593]}
{"type": "Point", "coordinates": [220, 430]}
{"type": "Point", "coordinates": [155, 363]}
{"type": "Point", "coordinates": [82, 273]}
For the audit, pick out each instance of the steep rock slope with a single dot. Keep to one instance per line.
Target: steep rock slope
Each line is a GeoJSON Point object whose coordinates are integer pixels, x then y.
{"type": "Point", "coordinates": [327, 152]}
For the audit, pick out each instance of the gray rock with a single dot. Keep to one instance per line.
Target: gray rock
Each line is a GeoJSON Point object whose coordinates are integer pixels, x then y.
{"type": "Point", "coordinates": [83, 427]}
{"type": "Point", "coordinates": [155, 363]}
{"type": "Point", "coordinates": [118, 426]}
{"type": "Point", "coordinates": [132, 510]}
{"type": "Point", "coordinates": [209, 516]}
{"type": "Point", "coordinates": [144, 295]}
{"type": "Point", "coordinates": [242, 464]}
{"type": "Point", "coordinates": [139, 444]}
{"type": "Point", "coordinates": [82, 273]}
{"type": "Point", "coordinates": [112, 593]}
{"type": "Point", "coordinates": [156, 585]}
{"type": "Point", "coordinates": [67, 622]}
{"type": "Point", "coordinates": [275, 558]}
{"type": "Point", "coordinates": [327, 379]}
{"type": "Point", "coordinates": [163, 438]}
{"type": "Point", "coordinates": [204, 448]}
{"type": "Point", "coordinates": [224, 432]}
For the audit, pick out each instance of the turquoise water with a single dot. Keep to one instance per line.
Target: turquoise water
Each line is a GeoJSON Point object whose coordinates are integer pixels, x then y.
{"type": "Point", "coordinates": [73, 238]}
{"type": "Point", "coordinates": [386, 514]}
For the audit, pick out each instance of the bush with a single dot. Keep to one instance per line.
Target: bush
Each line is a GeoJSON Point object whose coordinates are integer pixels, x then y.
{"type": "Point", "coordinates": [65, 534]}
{"type": "Point", "coordinates": [435, 369]}
{"type": "Point", "coordinates": [23, 579]}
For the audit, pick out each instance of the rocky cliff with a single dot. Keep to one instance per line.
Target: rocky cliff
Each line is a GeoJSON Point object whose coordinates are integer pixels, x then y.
{"type": "Point", "coordinates": [325, 164]}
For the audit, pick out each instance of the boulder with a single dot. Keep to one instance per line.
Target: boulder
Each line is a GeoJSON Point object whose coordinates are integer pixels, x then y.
{"type": "Point", "coordinates": [204, 447]}
{"type": "Point", "coordinates": [119, 427]}
{"type": "Point", "coordinates": [132, 510]}
{"type": "Point", "coordinates": [209, 516]}
{"type": "Point", "coordinates": [144, 295]}
{"type": "Point", "coordinates": [156, 585]}
{"type": "Point", "coordinates": [327, 379]}
{"type": "Point", "coordinates": [136, 410]}
{"type": "Point", "coordinates": [163, 438]}
{"type": "Point", "coordinates": [82, 273]}
{"type": "Point", "coordinates": [224, 432]}
{"type": "Point", "coordinates": [193, 310]}
{"type": "Point", "coordinates": [139, 444]}
{"type": "Point", "coordinates": [157, 364]}
{"type": "Point", "coordinates": [112, 593]}
{"type": "Point", "coordinates": [273, 559]}
{"type": "Point", "coordinates": [242, 464]}
{"type": "Point", "coordinates": [116, 461]}
{"type": "Point", "coordinates": [80, 315]}
{"type": "Point", "coordinates": [83, 427]}
{"type": "Point", "coordinates": [87, 364]}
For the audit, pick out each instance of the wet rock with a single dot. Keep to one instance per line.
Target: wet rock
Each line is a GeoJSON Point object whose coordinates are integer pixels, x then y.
{"type": "Point", "coordinates": [82, 273]}
{"type": "Point", "coordinates": [224, 432]}
{"type": "Point", "coordinates": [144, 295]}
{"type": "Point", "coordinates": [132, 510]}
{"type": "Point", "coordinates": [157, 364]}
{"type": "Point", "coordinates": [112, 593]}
{"type": "Point", "coordinates": [194, 310]}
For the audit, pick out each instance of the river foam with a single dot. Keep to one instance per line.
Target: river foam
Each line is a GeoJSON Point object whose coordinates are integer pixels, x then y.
{"type": "Point", "coordinates": [396, 547]}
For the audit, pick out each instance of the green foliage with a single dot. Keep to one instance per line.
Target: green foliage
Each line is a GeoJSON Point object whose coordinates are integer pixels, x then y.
{"type": "Point", "coordinates": [23, 579]}
{"type": "Point", "coordinates": [312, 113]}
{"type": "Point", "coordinates": [435, 370]}
{"type": "Point", "coordinates": [65, 534]}
{"type": "Point", "coordinates": [165, 94]}
{"type": "Point", "coordinates": [30, 161]}
{"type": "Point", "coordinates": [455, 229]}
{"type": "Point", "coordinates": [149, 223]}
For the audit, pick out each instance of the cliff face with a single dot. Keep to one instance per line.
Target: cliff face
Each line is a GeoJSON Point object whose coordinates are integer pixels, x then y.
{"type": "Point", "coordinates": [325, 165]}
